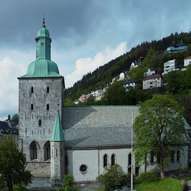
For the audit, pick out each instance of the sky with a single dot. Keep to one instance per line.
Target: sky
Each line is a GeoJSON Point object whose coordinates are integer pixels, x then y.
{"type": "Point", "coordinates": [85, 35]}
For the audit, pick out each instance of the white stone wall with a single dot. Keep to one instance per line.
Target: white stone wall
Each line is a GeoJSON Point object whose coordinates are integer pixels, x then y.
{"type": "Point", "coordinates": [94, 161]}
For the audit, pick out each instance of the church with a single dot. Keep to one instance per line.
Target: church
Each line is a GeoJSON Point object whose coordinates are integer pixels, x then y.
{"type": "Point", "coordinates": [80, 141]}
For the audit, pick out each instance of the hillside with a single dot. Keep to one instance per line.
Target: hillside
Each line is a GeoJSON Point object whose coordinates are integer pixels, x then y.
{"type": "Point", "coordinates": [104, 74]}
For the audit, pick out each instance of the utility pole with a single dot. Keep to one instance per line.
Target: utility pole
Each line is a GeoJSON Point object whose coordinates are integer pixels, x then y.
{"type": "Point", "coordinates": [132, 152]}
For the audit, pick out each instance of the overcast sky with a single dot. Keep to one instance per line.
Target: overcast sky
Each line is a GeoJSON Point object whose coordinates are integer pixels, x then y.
{"type": "Point", "coordinates": [85, 34]}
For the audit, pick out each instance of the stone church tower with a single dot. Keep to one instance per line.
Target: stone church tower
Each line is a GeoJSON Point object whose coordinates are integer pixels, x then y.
{"type": "Point", "coordinates": [40, 100]}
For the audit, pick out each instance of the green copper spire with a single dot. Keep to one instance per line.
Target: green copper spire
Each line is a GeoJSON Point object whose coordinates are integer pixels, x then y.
{"type": "Point", "coordinates": [58, 134]}
{"type": "Point", "coordinates": [43, 66]}
{"type": "Point", "coordinates": [43, 42]}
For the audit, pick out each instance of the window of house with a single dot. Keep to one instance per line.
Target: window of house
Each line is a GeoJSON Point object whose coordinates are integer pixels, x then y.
{"type": "Point", "coordinates": [39, 122]}
{"type": "Point", "coordinates": [105, 161]}
{"type": "Point", "coordinates": [47, 90]}
{"type": "Point", "coordinates": [172, 156]}
{"type": "Point", "coordinates": [178, 156]}
{"type": "Point", "coordinates": [32, 107]}
{"type": "Point", "coordinates": [151, 157]}
{"type": "Point", "coordinates": [47, 107]}
{"type": "Point", "coordinates": [112, 159]}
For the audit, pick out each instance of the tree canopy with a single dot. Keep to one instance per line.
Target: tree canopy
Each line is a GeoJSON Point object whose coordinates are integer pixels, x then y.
{"type": "Point", "coordinates": [12, 164]}
{"type": "Point", "coordinates": [159, 126]}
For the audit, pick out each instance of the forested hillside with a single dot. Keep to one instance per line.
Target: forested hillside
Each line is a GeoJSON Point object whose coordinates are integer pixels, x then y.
{"type": "Point", "coordinates": [155, 49]}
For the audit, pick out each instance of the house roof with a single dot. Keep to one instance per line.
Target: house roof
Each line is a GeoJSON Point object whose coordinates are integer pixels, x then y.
{"type": "Point", "coordinates": [6, 128]}
{"type": "Point", "coordinates": [98, 126]}
{"type": "Point", "coordinates": [154, 76]}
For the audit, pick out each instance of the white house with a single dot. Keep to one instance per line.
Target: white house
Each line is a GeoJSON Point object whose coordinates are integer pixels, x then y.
{"type": "Point", "coordinates": [187, 61]}
{"type": "Point", "coordinates": [169, 66]}
{"type": "Point", "coordinates": [153, 81]}
{"type": "Point", "coordinates": [149, 72]}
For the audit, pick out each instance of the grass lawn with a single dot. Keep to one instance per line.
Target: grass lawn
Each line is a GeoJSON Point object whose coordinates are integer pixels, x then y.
{"type": "Point", "coordinates": [168, 184]}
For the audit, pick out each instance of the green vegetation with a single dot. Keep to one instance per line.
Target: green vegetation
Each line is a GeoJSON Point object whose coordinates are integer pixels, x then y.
{"type": "Point", "coordinates": [68, 184]}
{"type": "Point", "coordinates": [159, 125]}
{"type": "Point", "coordinates": [147, 177]}
{"type": "Point", "coordinates": [113, 179]}
{"type": "Point", "coordinates": [169, 184]}
{"type": "Point", "coordinates": [12, 166]}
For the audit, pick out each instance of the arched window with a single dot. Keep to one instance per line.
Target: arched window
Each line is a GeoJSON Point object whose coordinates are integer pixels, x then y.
{"type": "Point", "coordinates": [32, 107]}
{"type": "Point", "coordinates": [105, 161]}
{"type": "Point", "coordinates": [178, 156]}
{"type": "Point", "coordinates": [33, 150]}
{"type": "Point", "coordinates": [112, 159]}
{"type": "Point", "coordinates": [47, 151]}
{"type": "Point", "coordinates": [129, 159]}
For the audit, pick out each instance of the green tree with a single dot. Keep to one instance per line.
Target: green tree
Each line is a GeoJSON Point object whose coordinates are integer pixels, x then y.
{"type": "Point", "coordinates": [114, 178]}
{"type": "Point", "coordinates": [12, 164]}
{"type": "Point", "coordinates": [159, 125]}
{"type": "Point", "coordinates": [115, 94]}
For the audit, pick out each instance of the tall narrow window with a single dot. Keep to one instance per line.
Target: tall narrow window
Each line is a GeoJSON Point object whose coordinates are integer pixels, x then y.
{"type": "Point", "coordinates": [129, 159]}
{"type": "Point", "coordinates": [47, 90]}
{"type": "Point", "coordinates": [172, 155]}
{"type": "Point", "coordinates": [33, 150]}
{"type": "Point", "coordinates": [32, 107]}
{"type": "Point", "coordinates": [151, 157]}
{"type": "Point", "coordinates": [47, 107]}
{"type": "Point", "coordinates": [178, 156]}
{"type": "Point", "coordinates": [105, 161]}
{"type": "Point", "coordinates": [32, 90]}
{"type": "Point", "coordinates": [39, 122]}
{"type": "Point", "coordinates": [112, 159]}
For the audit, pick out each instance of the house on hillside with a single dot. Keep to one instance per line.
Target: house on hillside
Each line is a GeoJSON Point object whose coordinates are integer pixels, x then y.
{"type": "Point", "coordinates": [149, 72]}
{"type": "Point", "coordinates": [129, 84]}
{"type": "Point", "coordinates": [6, 128]}
{"type": "Point", "coordinates": [177, 48]}
{"type": "Point", "coordinates": [152, 81]}
{"type": "Point", "coordinates": [187, 61]}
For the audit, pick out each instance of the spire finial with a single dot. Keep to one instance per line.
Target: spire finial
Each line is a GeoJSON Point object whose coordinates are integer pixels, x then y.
{"type": "Point", "coordinates": [43, 22]}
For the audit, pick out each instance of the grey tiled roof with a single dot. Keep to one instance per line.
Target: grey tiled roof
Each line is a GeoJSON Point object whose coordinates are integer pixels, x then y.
{"type": "Point", "coordinates": [98, 126]}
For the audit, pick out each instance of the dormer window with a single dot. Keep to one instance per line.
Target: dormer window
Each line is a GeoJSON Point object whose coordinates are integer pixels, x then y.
{"type": "Point", "coordinates": [47, 90]}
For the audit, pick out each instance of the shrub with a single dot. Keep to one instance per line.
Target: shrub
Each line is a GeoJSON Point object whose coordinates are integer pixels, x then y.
{"type": "Point", "coordinates": [68, 184]}
{"type": "Point", "coordinates": [114, 178]}
{"type": "Point", "coordinates": [147, 177]}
